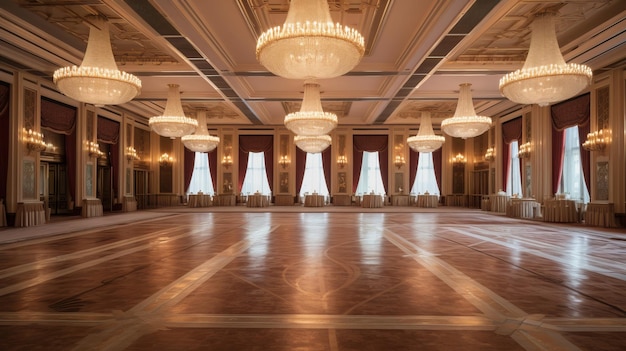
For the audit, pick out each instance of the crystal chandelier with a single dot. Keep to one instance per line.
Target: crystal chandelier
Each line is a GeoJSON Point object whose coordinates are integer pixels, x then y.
{"type": "Point", "coordinates": [425, 140]}
{"type": "Point", "coordinates": [465, 123]}
{"type": "Point", "coordinates": [97, 80]}
{"type": "Point", "coordinates": [311, 119]}
{"type": "Point", "coordinates": [309, 45]}
{"type": "Point", "coordinates": [545, 77]}
{"type": "Point", "coordinates": [312, 144]}
{"type": "Point", "coordinates": [201, 140]}
{"type": "Point", "coordinates": [173, 123]}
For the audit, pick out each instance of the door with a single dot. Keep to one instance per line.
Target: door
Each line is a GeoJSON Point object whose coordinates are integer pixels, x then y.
{"type": "Point", "coordinates": [104, 190]}
{"type": "Point", "coordinates": [58, 200]}
{"type": "Point", "coordinates": [141, 189]}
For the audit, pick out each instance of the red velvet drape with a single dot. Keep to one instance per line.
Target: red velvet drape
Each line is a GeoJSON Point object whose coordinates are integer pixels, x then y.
{"type": "Point", "coordinates": [5, 99]}
{"type": "Point", "coordinates": [414, 158]}
{"type": "Point", "coordinates": [189, 161]}
{"type": "Point", "coordinates": [300, 168]}
{"type": "Point", "coordinates": [511, 131]}
{"type": "Point", "coordinates": [437, 162]}
{"type": "Point", "coordinates": [326, 155]}
{"type": "Point", "coordinates": [573, 112]}
{"type": "Point", "coordinates": [370, 143]}
{"type": "Point", "coordinates": [256, 143]}
{"type": "Point", "coordinates": [109, 133]}
{"type": "Point", "coordinates": [60, 118]}
{"type": "Point", "coordinates": [213, 167]}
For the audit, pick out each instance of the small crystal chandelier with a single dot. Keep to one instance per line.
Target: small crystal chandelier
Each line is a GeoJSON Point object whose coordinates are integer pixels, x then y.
{"type": "Point", "coordinates": [309, 45]}
{"type": "Point", "coordinates": [201, 140]}
{"type": "Point", "coordinates": [311, 119]}
{"type": "Point", "coordinates": [465, 123]}
{"type": "Point", "coordinates": [545, 77]}
{"type": "Point", "coordinates": [173, 123]}
{"type": "Point", "coordinates": [97, 80]}
{"type": "Point", "coordinates": [425, 140]}
{"type": "Point", "coordinates": [312, 144]}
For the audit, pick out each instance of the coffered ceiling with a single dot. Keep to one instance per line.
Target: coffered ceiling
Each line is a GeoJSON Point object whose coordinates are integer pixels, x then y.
{"type": "Point", "coordinates": [417, 52]}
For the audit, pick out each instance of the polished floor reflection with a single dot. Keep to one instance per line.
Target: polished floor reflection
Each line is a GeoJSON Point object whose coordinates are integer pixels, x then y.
{"type": "Point", "coordinates": [439, 280]}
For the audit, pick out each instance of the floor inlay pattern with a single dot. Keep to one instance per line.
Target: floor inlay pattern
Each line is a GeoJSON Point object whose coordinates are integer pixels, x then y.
{"type": "Point", "coordinates": [238, 280]}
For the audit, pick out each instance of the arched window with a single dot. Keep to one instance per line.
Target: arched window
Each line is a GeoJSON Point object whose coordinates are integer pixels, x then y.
{"type": "Point", "coordinates": [370, 179]}
{"type": "Point", "coordinates": [572, 179]}
{"type": "Point", "coordinates": [425, 180]}
{"type": "Point", "coordinates": [314, 181]}
{"type": "Point", "coordinates": [201, 180]}
{"type": "Point", "coordinates": [256, 176]}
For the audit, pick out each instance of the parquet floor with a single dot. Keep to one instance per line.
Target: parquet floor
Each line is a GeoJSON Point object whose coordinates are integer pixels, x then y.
{"type": "Point", "coordinates": [240, 280]}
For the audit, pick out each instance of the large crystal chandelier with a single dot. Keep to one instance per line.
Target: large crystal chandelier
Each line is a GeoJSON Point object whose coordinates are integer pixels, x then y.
{"type": "Point", "coordinates": [311, 119]}
{"type": "Point", "coordinates": [173, 123]}
{"type": "Point", "coordinates": [201, 140]}
{"type": "Point", "coordinates": [309, 45]}
{"type": "Point", "coordinates": [545, 77]}
{"type": "Point", "coordinates": [97, 80]}
{"type": "Point", "coordinates": [312, 144]}
{"type": "Point", "coordinates": [465, 123]}
{"type": "Point", "coordinates": [425, 140]}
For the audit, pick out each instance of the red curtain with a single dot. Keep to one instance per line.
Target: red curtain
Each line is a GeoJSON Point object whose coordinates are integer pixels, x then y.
{"type": "Point", "coordinates": [437, 165]}
{"type": "Point", "coordinates": [414, 158]}
{"type": "Point", "coordinates": [213, 167]}
{"type": "Point", "coordinates": [326, 155]}
{"type": "Point", "coordinates": [60, 118]}
{"type": "Point", "coordinates": [511, 131]}
{"type": "Point", "coordinates": [370, 143]}
{"type": "Point", "coordinates": [109, 133]}
{"type": "Point", "coordinates": [573, 112]}
{"type": "Point", "coordinates": [189, 160]}
{"type": "Point", "coordinates": [300, 168]}
{"type": "Point", "coordinates": [256, 143]}
{"type": "Point", "coordinates": [5, 99]}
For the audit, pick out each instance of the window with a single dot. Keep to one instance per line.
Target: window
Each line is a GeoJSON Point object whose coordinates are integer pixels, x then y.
{"type": "Point", "coordinates": [514, 179]}
{"type": "Point", "coordinates": [314, 181]}
{"type": "Point", "coordinates": [425, 180]}
{"type": "Point", "coordinates": [201, 180]}
{"type": "Point", "coordinates": [256, 175]}
{"type": "Point", "coordinates": [370, 179]}
{"type": "Point", "coordinates": [572, 177]}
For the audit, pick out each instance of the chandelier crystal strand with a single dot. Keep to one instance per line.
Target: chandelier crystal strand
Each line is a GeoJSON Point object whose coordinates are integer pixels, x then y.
{"type": "Point", "coordinates": [97, 80]}
{"type": "Point", "coordinates": [311, 119]}
{"type": "Point", "coordinates": [465, 123]}
{"type": "Point", "coordinates": [201, 140]}
{"type": "Point", "coordinates": [312, 144]}
{"type": "Point", "coordinates": [173, 123]}
{"type": "Point", "coordinates": [545, 77]}
{"type": "Point", "coordinates": [425, 140]}
{"type": "Point", "coordinates": [309, 45]}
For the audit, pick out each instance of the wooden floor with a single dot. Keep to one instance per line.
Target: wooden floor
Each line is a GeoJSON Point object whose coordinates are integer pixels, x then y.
{"type": "Point", "coordinates": [445, 279]}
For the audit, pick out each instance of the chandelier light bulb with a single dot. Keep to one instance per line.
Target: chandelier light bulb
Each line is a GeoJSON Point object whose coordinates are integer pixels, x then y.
{"type": "Point", "coordinates": [465, 123]}
{"type": "Point", "coordinates": [312, 144]}
{"type": "Point", "coordinates": [309, 45]}
{"type": "Point", "coordinates": [173, 123]}
{"type": "Point", "coordinates": [201, 140]}
{"type": "Point", "coordinates": [97, 80]}
{"type": "Point", "coordinates": [545, 77]}
{"type": "Point", "coordinates": [425, 140]}
{"type": "Point", "coordinates": [311, 119]}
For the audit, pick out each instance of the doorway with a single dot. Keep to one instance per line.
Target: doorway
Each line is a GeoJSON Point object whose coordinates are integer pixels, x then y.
{"type": "Point", "coordinates": [58, 197]}
{"type": "Point", "coordinates": [141, 182]}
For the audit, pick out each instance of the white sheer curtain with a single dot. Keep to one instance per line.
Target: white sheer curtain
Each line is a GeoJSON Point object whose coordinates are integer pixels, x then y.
{"type": "Point", "coordinates": [313, 181]}
{"type": "Point", "coordinates": [425, 180]}
{"type": "Point", "coordinates": [256, 176]}
{"type": "Point", "coordinates": [572, 178]}
{"type": "Point", "coordinates": [514, 180]}
{"type": "Point", "coordinates": [370, 179]}
{"type": "Point", "coordinates": [201, 180]}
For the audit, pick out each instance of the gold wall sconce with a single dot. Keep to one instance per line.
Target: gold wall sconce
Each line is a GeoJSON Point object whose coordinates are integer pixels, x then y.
{"type": "Point", "coordinates": [166, 159]}
{"type": "Point", "coordinates": [524, 150]}
{"type": "Point", "coordinates": [490, 155]}
{"type": "Point", "coordinates": [94, 149]}
{"type": "Point", "coordinates": [342, 161]}
{"type": "Point", "coordinates": [34, 141]}
{"type": "Point", "coordinates": [459, 158]}
{"type": "Point", "coordinates": [597, 140]}
{"type": "Point", "coordinates": [284, 161]}
{"type": "Point", "coordinates": [131, 154]}
{"type": "Point", "coordinates": [399, 161]}
{"type": "Point", "coordinates": [227, 161]}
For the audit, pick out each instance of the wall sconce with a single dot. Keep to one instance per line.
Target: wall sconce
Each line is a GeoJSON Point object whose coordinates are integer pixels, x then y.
{"type": "Point", "coordinates": [284, 161]}
{"type": "Point", "coordinates": [227, 161]}
{"type": "Point", "coordinates": [34, 141]}
{"type": "Point", "coordinates": [597, 140]}
{"type": "Point", "coordinates": [459, 158]}
{"type": "Point", "coordinates": [166, 159]}
{"type": "Point", "coordinates": [94, 149]}
{"type": "Point", "coordinates": [490, 155]}
{"type": "Point", "coordinates": [399, 161]}
{"type": "Point", "coordinates": [524, 150]}
{"type": "Point", "coordinates": [131, 154]}
{"type": "Point", "coordinates": [342, 161]}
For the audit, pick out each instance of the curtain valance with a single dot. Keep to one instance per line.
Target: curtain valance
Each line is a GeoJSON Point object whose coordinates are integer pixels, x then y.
{"type": "Point", "coordinates": [57, 117]}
